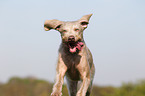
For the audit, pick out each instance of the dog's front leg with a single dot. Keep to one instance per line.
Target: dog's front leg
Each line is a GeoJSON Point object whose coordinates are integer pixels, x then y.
{"type": "Point", "coordinates": [84, 87]}
{"type": "Point", "coordinates": [60, 73]}
{"type": "Point", "coordinates": [84, 70]}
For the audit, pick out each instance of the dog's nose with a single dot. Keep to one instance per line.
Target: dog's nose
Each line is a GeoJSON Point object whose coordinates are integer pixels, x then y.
{"type": "Point", "coordinates": [71, 38]}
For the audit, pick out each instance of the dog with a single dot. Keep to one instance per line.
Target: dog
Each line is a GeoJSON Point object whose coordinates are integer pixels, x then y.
{"type": "Point", "coordinates": [74, 59]}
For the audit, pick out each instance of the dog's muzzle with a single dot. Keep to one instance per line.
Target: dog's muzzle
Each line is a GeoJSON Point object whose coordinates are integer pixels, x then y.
{"type": "Point", "coordinates": [71, 39]}
{"type": "Point", "coordinates": [74, 46]}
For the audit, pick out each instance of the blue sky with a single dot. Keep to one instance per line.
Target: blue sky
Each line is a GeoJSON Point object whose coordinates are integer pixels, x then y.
{"type": "Point", "coordinates": [115, 36]}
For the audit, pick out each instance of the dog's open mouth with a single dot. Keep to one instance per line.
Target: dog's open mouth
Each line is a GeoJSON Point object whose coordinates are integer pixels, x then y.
{"type": "Point", "coordinates": [75, 46]}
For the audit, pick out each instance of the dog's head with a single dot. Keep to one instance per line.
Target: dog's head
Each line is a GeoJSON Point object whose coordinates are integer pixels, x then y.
{"type": "Point", "coordinates": [71, 32]}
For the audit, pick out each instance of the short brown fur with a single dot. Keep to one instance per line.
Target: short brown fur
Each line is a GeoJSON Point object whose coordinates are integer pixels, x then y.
{"type": "Point", "coordinates": [77, 65]}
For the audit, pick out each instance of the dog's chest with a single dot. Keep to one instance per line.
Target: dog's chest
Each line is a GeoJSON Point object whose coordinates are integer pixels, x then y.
{"type": "Point", "coordinates": [73, 73]}
{"type": "Point", "coordinates": [71, 61]}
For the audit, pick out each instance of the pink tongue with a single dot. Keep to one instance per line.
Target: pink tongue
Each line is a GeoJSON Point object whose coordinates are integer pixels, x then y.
{"type": "Point", "coordinates": [79, 47]}
{"type": "Point", "coordinates": [72, 50]}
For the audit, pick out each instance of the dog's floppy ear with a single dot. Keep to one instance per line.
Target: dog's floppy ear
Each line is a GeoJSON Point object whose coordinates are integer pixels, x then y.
{"type": "Point", "coordinates": [84, 21]}
{"type": "Point", "coordinates": [52, 24]}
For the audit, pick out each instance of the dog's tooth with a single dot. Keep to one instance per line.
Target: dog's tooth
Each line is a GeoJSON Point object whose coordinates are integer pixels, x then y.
{"type": "Point", "coordinates": [72, 50]}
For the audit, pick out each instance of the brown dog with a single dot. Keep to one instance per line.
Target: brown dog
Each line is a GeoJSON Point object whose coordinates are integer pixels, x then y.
{"type": "Point", "coordinates": [75, 59]}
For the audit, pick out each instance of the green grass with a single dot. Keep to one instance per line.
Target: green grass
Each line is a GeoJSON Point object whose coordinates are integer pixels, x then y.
{"type": "Point", "coordinates": [35, 87]}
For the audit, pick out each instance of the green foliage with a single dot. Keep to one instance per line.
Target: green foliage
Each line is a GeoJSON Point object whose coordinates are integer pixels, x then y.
{"type": "Point", "coordinates": [34, 87]}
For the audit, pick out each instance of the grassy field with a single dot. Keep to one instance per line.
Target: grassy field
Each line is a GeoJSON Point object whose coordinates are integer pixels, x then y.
{"type": "Point", "coordinates": [34, 87]}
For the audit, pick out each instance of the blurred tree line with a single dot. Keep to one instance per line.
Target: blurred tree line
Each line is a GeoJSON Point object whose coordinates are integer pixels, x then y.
{"type": "Point", "coordinates": [34, 87]}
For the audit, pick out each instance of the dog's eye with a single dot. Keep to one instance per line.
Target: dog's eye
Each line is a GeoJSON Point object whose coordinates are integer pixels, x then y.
{"type": "Point", "coordinates": [64, 31]}
{"type": "Point", "coordinates": [76, 29]}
